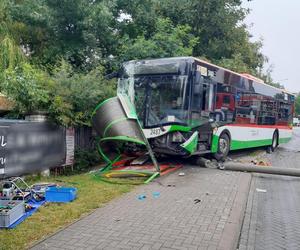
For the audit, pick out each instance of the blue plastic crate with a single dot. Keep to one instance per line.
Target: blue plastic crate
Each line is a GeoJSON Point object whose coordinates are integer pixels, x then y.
{"type": "Point", "coordinates": [60, 194]}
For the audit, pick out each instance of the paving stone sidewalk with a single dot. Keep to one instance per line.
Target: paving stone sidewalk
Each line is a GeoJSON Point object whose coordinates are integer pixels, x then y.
{"type": "Point", "coordinates": [272, 218]}
{"type": "Point", "coordinates": [204, 210]}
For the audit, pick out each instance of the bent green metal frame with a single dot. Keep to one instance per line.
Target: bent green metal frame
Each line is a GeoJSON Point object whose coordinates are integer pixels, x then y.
{"type": "Point", "coordinates": [124, 139]}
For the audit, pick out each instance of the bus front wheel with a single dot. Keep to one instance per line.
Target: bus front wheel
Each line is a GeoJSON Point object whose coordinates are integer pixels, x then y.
{"type": "Point", "coordinates": [223, 147]}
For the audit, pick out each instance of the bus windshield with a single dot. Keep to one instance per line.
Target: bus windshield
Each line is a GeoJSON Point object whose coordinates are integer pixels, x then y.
{"type": "Point", "coordinates": [161, 100]}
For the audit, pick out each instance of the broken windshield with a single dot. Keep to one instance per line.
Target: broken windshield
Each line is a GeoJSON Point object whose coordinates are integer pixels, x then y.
{"type": "Point", "coordinates": [161, 100]}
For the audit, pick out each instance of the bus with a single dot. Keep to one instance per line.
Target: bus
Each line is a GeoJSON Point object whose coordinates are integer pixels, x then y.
{"type": "Point", "coordinates": [187, 106]}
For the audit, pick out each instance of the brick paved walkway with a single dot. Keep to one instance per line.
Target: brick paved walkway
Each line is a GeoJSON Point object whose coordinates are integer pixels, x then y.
{"type": "Point", "coordinates": [174, 220]}
{"type": "Point", "coordinates": [272, 219]}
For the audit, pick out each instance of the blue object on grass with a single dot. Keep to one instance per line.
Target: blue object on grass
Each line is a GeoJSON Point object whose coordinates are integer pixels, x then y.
{"type": "Point", "coordinates": [60, 194]}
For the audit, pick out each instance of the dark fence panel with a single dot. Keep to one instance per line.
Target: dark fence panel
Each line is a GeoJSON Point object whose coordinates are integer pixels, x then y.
{"type": "Point", "coordinates": [30, 147]}
{"type": "Point", "coordinates": [84, 138]}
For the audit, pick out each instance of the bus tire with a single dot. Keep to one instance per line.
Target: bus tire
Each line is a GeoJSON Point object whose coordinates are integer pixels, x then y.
{"type": "Point", "coordinates": [274, 141]}
{"type": "Point", "coordinates": [223, 147]}
{"type": "Point", "coordinates": [271, 148]}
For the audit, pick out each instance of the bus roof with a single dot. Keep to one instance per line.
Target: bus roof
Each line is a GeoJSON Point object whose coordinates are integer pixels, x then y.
{"type": "Point", "coordinates": [245, 75]}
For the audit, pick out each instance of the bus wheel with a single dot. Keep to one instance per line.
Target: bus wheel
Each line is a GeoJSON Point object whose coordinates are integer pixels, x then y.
{"type": "Point", "coordinates": [274, 144]}
{"type": "Point", "coordinates": [274, 141]}
{"type": "Point", "coordinates": [223, 147]}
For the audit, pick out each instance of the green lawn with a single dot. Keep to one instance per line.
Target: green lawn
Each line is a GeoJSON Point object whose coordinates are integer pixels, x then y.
{"type": "Point", "coordinates": [92, 193]}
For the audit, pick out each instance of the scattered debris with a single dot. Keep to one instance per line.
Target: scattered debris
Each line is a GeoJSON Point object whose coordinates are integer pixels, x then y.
{"type": "Point", "coordinates": [171, 185]}
{"type": "Point", "coordinates": [142, 197]}
{"type": "Point", "coordinates": [21, 200]}
{"type": "Point", "coordinates": [156, 194]}
{"type": "Point", "coordinates": [181, 174]}
{"type": "Point", "coordinates": [197, 201]}
{"type": "Point", "coordinates": [261, 190]}
{"type": "Point", "coordinates": [261, 163]}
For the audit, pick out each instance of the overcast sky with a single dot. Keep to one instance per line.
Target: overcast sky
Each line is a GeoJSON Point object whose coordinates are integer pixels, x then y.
{"type": "Point", "coordinates": [278, 23]}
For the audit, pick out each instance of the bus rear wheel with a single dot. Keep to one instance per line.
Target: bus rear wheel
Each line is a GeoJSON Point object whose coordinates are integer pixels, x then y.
{"type": "Point", "coordinates": [223, 147]}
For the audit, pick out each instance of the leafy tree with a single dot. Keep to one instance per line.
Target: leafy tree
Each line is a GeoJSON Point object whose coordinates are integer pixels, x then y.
{"type": "Point", "coordinates": [28, 88]}
{"type": "Point", "coordinates": [167, 41]}
{"type": "Point", "coordinates": [75, 95]}
{"type": "Point", "coordinates": [79, 31]}
{"type": "Point", "coordinates": [11, 54]}
{"type": "Point", "coordinates": [218, 26]}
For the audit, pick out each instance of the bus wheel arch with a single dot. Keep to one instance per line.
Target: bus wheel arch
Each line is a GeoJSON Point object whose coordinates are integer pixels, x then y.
{"type": "Point", "coordinates": [224, 143]}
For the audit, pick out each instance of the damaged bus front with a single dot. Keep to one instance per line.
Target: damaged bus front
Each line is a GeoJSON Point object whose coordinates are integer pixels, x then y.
{"type": "Point", "coordinates": [172, 102]}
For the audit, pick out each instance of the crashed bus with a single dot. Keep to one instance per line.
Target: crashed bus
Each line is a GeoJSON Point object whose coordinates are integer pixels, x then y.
{"type": "Point", "coordinates": [186, 107]}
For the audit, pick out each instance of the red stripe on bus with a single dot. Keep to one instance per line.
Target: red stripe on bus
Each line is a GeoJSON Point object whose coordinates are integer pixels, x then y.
{"type": "Point", "coordinates": [260, 126]}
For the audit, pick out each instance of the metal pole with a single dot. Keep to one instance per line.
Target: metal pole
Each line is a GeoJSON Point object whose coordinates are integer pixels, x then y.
{"type": "Point", "coordinates": [261, 169]}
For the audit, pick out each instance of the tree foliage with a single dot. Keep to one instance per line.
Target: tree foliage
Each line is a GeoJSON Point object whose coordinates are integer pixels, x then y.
{"type": "Point", "coordinates": [55, 53]}
{"type": "Point", "coordinates": [167, 41]}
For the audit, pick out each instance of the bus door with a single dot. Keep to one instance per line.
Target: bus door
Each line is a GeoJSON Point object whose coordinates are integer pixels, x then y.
{"type": "Point", "coordinates": [203, 97]}
{"type": "Point", "coordinates": [203, 102]}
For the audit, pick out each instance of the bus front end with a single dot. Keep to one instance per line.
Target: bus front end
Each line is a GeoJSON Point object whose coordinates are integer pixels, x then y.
{"type": "Point", "coordinates": [161, 93]}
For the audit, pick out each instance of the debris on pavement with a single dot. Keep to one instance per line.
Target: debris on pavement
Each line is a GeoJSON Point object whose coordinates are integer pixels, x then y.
{"type": "Point", "coordinates": [156, 194]}
{"type": "Point", "coordinates": [181, 174]}
{"type": "Point", "coordinates": [261, 190]}
{"type": "Point", "coordinates": [142, 197]}
{"type": "Point", "coordinates": [261, 163]}
{"type": "Point", "coordinates": [171, 185]}
{"type": "Point", "coordinates": [197, 201]}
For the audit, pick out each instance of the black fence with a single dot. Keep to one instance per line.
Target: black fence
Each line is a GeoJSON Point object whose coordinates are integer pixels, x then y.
{"type": "Point", "coordinates": [84, 138]}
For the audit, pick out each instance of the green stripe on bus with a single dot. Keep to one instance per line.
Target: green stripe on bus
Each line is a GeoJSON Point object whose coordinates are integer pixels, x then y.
{"type": "Point", "coordinates": [249, 144]}
{"type": "Point", "coordinates": [234, 145]}
{"type": "Point", "coordinates": [284, 140]}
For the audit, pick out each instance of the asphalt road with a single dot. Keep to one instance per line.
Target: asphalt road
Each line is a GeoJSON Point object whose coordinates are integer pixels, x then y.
{"type": "Point", "coordinates": [272, 218]}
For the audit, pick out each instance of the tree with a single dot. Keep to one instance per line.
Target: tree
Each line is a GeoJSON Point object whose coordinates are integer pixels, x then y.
{"type": "Point", "coordinates": [75, 95]}
{"type": "Point", "coordinates": [11, 54]}
{"type": "Point", "coordinates": [218, 26]}
{"type": "Point", "coordinates": [167, 41]}
{"type": "Point", "coordinates": [81, 31]}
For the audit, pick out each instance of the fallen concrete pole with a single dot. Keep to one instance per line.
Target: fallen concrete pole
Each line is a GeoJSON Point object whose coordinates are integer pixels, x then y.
{"type": "Point", "coordinates": [233, 166]}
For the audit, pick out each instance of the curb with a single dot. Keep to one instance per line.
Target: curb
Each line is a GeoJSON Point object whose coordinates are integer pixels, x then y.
{"type": "Point", "coordinates": [232, 229]}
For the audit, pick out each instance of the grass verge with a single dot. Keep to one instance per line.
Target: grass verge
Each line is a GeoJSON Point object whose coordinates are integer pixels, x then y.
{"type": "Point", "coordinates": [92, 193]}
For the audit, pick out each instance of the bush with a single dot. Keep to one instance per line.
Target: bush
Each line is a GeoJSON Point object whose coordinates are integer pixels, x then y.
{"type": "Point", "coordinates": [67, 96]}
{"type": "Point", "coordinates": [85, 159]}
